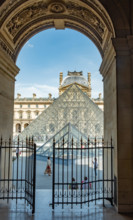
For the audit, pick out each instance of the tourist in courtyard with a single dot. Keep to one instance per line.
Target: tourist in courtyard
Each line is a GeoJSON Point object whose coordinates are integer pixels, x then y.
{"type": "Point", "coordinates": [95, 165]}
{"type": "Point", "coordinates": [48, 167]}
{"type": "Point", "coordinates": [73, 185]}
{"type": "Point", "coordinates": [85, 183]}
{"type": "Point", "coordinates": [17, 152]}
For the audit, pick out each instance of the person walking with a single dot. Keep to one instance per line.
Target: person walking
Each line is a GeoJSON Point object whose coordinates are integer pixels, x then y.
{"type": "Point", "coordinates": [17, 152]}
{"type": "Point", "coordinates": [95, 164]}
{"type": "Point", "coordinates": [85, 183]}
{"type": "Point", "coordinates": [48, 167]}
{"type": "Point", "coordinates": [73, 184]}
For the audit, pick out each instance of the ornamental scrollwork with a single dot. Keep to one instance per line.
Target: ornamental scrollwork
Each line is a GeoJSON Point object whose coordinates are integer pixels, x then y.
{"type": "Point", "coordinates": [41, 9]}
{"type": "Point", "coordinates": [25, 16]}
{"type": "Point", "coordinates": [86, 15]}
{"type": "Point", "coordinates": [57, 7]}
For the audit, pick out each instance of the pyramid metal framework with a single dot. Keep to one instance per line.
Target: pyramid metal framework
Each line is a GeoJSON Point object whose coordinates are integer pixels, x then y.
{"type": "Point", "coordinates": [74, 107]}
{"type": "Point", "coordinates": [66, 134]}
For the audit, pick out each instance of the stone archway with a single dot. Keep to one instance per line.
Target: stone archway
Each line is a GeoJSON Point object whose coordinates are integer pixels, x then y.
{"type": "Point", "coordinates": [20, 20]}
{"type": "Point", "coordinates": [18, 128]}
{"type": "Point", "coordinates": [110, 28]}
{"type": "Point", "coordinates": [26, 125]}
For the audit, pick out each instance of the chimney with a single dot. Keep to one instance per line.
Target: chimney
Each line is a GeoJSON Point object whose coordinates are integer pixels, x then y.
{"type": "Point", "coordinates": [18, 96]}
{"type": "Point", "coordinates": [49, 95]}
{"type": "Point", "coordinates": [34, 95]}
{"type": "Point", "coordinates": [100, 96]}
{"type": "Point", "coordinates": [89, 84]}
{"type": "Point", "coordinates": [61, 78]}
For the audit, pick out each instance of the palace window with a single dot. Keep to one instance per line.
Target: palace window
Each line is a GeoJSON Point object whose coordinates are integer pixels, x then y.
{"type": "Point", "coordinates": [28, 105]}
{"type": "Point", "coordinates": [18, 128]}
{"type": "Point", "coordinates": [28, 115]}
{"type": "Point", "coordinates": [36, 113]}
{"type": "Point", "coordinates": [25, 125]}
{"type": "Point", "coordinates": [20, 115]}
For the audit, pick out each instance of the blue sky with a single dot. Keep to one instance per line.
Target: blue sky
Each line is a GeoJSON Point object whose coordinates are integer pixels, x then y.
{"type": "Point", "coordinates": [50, 52]}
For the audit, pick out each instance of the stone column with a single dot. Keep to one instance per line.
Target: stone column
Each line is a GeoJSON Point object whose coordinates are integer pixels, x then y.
{"type": "Point", "coordinates": [108, 71]}
{"type": "Point", "coordinates": [8, 71]}
{"type": "Point", "coordinates": [124, 79]}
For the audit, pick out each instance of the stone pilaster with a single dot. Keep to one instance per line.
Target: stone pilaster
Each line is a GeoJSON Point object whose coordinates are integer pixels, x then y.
{"type": "Point", "coordinates": [8, 71]}
{"type": "Point", "coordinates": [124, 82]}
{"type": "Point", "coordinates": [108, 71]}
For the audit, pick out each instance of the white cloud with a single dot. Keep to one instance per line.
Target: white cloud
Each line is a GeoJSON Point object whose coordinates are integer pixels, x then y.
{"type": "Point", "coordinates": [29, 44]}
{"type": "Point", "coordinates": [26, 90]}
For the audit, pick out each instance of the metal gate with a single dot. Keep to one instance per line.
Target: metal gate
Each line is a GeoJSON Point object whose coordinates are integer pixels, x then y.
{"type": "Point", "coordinates": [18, 171]}
{"type": "Point", "coordinates": [82, 173]}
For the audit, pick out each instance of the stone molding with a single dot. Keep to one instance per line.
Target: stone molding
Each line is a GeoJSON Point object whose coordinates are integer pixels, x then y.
{"type": "Point", "coordinates": [108, 59]}
{"type": "Point", "coordinates": [7, 66]}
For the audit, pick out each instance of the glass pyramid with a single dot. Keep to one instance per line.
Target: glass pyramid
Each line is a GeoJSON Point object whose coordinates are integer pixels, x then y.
{"type": "Point", "coordinates": [74, 107]}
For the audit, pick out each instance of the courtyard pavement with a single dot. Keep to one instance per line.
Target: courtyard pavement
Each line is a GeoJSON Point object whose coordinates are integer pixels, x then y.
{"type": "Point", "coordinates": [45, 212]}
{"type": "Point", "coordinates": [43, 209]}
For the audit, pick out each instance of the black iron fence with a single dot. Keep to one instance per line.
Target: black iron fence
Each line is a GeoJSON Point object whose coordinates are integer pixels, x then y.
{"type": "Point", "coordinates": [82, 173]}
{"type": "Point", "coordinates": [18, 171]}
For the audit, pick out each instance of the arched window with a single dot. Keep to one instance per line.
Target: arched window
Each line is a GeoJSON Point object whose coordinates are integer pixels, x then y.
{"type": "Point", "coordinates": [36, 113]}
{"type": "Point", "coordinates": [18, 128]}
{"type": "Point", "coordinates": [25, 125]}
